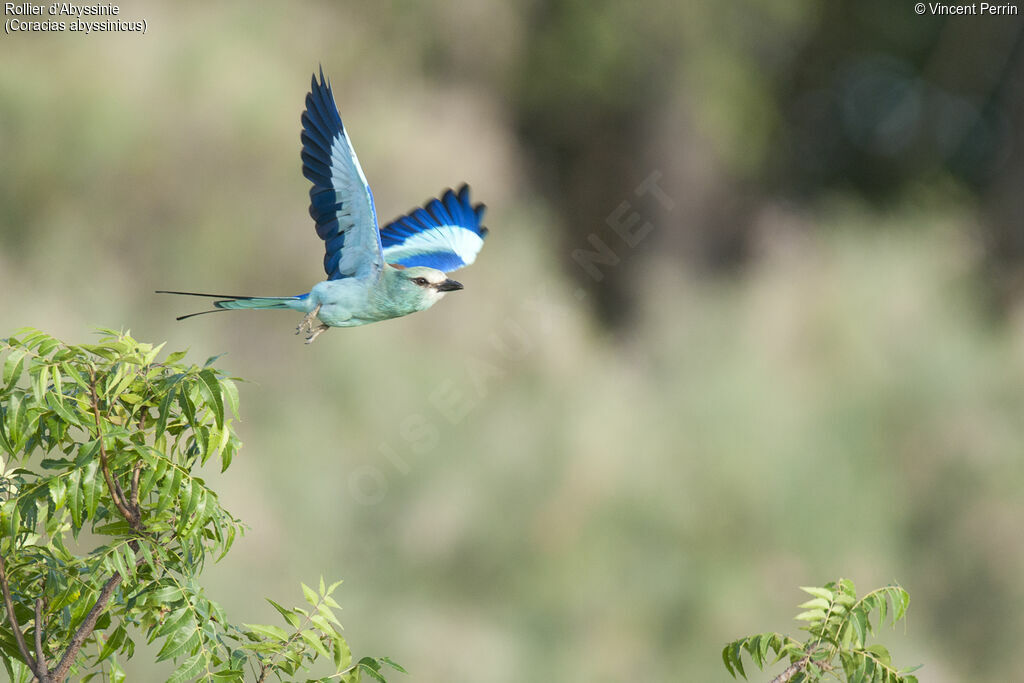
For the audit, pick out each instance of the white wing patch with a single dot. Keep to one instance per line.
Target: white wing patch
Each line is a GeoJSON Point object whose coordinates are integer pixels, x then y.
{"type": "Point", "coordinates": [465, 244]}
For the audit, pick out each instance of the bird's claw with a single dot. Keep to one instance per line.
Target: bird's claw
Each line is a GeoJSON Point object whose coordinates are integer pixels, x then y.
{"type": "Point", "coordinates": [306, 326]}
{"type": "Point", "coordinates": [316, 332]}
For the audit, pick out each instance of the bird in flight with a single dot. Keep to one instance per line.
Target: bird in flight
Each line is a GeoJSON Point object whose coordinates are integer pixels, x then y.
{"type": "Point", "coordinates": [373, 273]}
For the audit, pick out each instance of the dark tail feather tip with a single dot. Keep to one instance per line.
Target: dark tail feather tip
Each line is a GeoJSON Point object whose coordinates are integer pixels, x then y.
{"type": "Point", "coordinates": [192, 315]}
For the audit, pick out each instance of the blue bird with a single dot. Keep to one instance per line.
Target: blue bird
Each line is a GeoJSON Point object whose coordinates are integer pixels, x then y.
{"type": "Point", "coordinates": [373, 273]}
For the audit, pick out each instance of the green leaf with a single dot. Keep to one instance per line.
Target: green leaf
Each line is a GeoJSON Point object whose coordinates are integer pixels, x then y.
{"type": "Point", "coordinates": [736, 655]}
{"type": "Point", "coordinates": [75, 497]}
{"type": "Point", "coordinates": [816, 603]}
{"type": "Point", "coordinates": [186, 500]}
{"type": "Point", "coordinates": [199, 510]}
{"type": "Point", "coordinates": [13, 364]}
{"type": "Point", "coordinates": [174, 357]}
{"type": "Point", "coordinates": [901, 601]}
{"type": "Point", "coordinates": [173, 622]}
{"type": "Point", "coordinates": [119, 528]}
{"type": "Point", "coordinates": [314, 642]}
{"type": "Point", "coordinates": [170, 485]}
{"type": "Point", "coordinates": [227, 452]}
{"type": "Point", "coordinates": [342, 654]}
{"type": "Point", "coordinates": [190, 668]}
{"type": "Point", "coordinates": [272, 632]}
{"type": "Point", "coordinates": [113, 643]}
{"type": "Point", "coordinates": [290, 616]}
{"type": "Point", "coordinates": [69, 370]}
{"type": "Point", "coordinates": [311, 597]}
{"type": "Point", "coordinates": [209, 387]}
{"type": "Point", "coordinates": [11, 513]}
{"type": "Point", "coordinates": [150, 475]}
{"type": "Point", "coordinates": [321, 623]}
{"type": "Point", "coordinates": [230, 390]}
{"type": "Point", "coordinates": [40, 379]}
{"type": "Point", "coordinates": [822, 593]}
{"type": "Point", "coordinates": [91, 488]}
{"type": "Point", "coordinates": [211, 360]}
{"type": "Point", "coordinates": [15, 419]}
{"type": "Point", "coordinates": [164, 411]}
{"type": "Point", "coordinates": [394, 665]}
{"type": "Point", "coordinates": [880, 653]}
{"type": "Point", "coordinates": [326, 613]}
{"type": "Point", "coordinates": [5, 439]}
{"type": "Point", "coordinates": [151, 352]}
{"type": "Point", "coordinates": [47, 345]}
{"type": "Point", "coordinates": [118, 563]}
{"type": "Point", "coordinates": [55, 402]}
{"type": "Point", "coordinates": [373, 673]}
{"type": "Point", "coordinates": [727, 659]}
{"type": "Point", "coordinates": [182, 641]}
{"type": "Point", "coordinates": [58, 489]}
{"type": "Point", "coordinates": [187, 407]}
{"type": "Point", "coordinates": [811, 615]}
{"type": "Point", "coordinates": [859, 621]}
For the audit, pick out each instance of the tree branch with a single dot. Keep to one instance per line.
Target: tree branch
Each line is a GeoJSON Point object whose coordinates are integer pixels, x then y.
{"type": "Point", "coordinates": [792, 670]}
{"type": "Point", "coordinates": [137, 473]}
{"type": "Point", "coordinates": [18, 636]}
{"type": "Point", "coordinates": [40, 656]}
{"type": "Point", "coordinates": [86, 628]}
{"type": "Point", "coordinates": [134, 502]}
{"type": "Point", "coordinates": [132, 513]}
{"type": "Point", "coordinates": [115, 489]}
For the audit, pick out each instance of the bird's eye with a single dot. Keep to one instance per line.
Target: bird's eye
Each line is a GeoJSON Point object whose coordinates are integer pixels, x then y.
{"type": "Point", "coordinates": [421, 281]}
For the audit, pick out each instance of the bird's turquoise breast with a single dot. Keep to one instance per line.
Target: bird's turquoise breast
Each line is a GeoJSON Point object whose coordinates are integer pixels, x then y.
{"type": "Point", "coordinates": [351, 302]}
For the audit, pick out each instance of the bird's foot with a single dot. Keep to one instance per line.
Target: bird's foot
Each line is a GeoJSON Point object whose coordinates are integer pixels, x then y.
{"type": "Point", "coordinates": [316, 332]}
{"type": "Point", "coordinates": [306, 326]}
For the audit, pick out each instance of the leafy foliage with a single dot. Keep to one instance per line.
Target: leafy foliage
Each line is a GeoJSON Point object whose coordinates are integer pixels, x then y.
{"type": "Point", "coordinates": [839, 624]}
{"type": "Point", "coordinates": [105, 438]}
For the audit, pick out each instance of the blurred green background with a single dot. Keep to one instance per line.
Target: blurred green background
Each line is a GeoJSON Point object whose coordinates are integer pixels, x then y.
{"type": "Point", "coordinates": [809, 366]}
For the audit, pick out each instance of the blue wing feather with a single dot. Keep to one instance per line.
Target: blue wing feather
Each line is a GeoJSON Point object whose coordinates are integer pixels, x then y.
{"type": "Point", "coordinates": [445, 233]}
{"type": "Point", "coordinates": [341, 203]}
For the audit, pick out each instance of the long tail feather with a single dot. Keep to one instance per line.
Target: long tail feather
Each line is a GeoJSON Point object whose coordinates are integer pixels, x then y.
{"type": "Point", "coordinates": [210, 296]}
{"type": "Point", "coordinates": [228, 302]}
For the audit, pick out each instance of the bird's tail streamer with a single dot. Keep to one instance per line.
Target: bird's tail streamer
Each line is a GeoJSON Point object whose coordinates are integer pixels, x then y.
{"type": "Point", "coordinates": [230, 302]}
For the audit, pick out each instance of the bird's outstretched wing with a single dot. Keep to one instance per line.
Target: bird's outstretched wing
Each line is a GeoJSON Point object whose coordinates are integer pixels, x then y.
{"type": "Point", "coordinates": [445, 234]}
{"type": "Point", "coordinates": [340, 199]}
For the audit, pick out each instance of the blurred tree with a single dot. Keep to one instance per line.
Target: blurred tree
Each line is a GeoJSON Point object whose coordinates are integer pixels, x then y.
{"type": "Point", "coordinates": [607, 95]}
{"type": "Point", "coordinates": [882, 99]}
{"type": "Point", "coordinates": [746, 106]}
{"type": "Point", "coordinates": [590, 75]}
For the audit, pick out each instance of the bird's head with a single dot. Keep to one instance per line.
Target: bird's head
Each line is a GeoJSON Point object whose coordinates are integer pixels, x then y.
{"type": "Point", "coordinates": [423, 285]}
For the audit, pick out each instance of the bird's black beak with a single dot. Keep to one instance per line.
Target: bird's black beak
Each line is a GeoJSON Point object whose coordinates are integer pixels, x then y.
{"type": "Point", "coordinates": [449, 285]}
